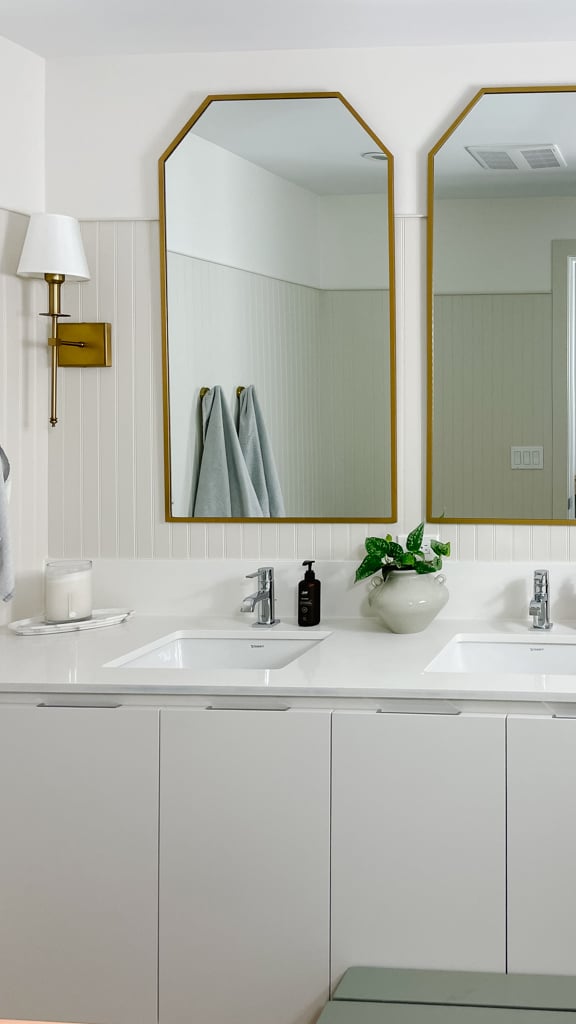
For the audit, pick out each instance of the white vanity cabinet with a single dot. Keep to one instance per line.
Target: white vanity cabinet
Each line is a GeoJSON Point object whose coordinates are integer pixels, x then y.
{"type": "Point", "coordinates": [78, 864]}
{"type": "Point", "coordinates": [541, 844]}
{"type": "Point", "coordinates": [244, 866]}
{"type": "Point", "coordinates": [418, 841]}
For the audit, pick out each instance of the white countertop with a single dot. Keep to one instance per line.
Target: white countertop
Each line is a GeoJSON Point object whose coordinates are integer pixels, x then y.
{"type": "Point", "coordinates": [358, 660]}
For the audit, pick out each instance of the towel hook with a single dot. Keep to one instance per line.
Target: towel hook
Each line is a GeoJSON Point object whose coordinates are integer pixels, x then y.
{"type": "Point", "coordinates": [203, 391]}
{"type": "Point", "coordinates": [239, 390]}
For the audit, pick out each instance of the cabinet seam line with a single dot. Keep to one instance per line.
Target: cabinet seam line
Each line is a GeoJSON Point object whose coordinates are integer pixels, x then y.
{"type": "Point", "coordinates": [158, 879]}
{"type": "Point", "coordinates": [506, 844]}
{"type": "Point", "coordinates": [330, 813]}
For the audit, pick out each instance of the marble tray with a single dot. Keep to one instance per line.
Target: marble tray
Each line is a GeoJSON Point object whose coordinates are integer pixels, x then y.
{"type": "Point", "coordinates": [100, 617]}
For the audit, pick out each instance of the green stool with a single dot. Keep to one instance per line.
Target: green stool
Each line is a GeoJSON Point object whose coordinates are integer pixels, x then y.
{"type": "Point", "coordinates": [380, 995]}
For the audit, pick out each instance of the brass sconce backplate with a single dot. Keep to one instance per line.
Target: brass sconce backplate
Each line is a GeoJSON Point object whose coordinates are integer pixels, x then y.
{"type": "Point", "coordinates": [95, 342]}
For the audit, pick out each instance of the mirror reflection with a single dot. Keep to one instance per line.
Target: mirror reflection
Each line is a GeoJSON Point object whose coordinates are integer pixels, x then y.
{"type": "Point", "coordinates": [278, 311]}
{"type": "Point", "coordinates": [502, 324]}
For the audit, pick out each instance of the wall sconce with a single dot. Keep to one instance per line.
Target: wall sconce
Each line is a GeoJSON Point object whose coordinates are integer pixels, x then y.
{"type": "Point", "coordinates": [53, 250]}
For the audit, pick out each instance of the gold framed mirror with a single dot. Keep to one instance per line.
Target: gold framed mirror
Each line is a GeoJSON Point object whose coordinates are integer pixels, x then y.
{"type": "Point", "coordinates": [278, 313]}
{"type": "Point", "coordinates": [501, 310]}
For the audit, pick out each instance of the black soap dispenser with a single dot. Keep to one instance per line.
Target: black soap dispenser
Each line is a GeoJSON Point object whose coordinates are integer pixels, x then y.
{"type": "Point", "coordinates": [309, 598]}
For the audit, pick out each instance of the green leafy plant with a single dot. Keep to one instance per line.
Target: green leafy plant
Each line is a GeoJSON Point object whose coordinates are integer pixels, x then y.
{"type": "Point", "coordinates": [385, 555]}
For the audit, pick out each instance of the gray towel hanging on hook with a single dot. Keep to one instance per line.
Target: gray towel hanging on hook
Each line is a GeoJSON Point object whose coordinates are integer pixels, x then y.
{"type": "Point", "coordinates": [224, 487]}
{"type": "Point", "coordinates": [6, 567]}
{"type": "Point", "coordinates": [257, 452]}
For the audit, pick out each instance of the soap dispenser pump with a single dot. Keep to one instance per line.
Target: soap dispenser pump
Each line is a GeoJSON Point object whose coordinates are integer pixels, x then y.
{"type": "Point", "coordinates": [309, 597]}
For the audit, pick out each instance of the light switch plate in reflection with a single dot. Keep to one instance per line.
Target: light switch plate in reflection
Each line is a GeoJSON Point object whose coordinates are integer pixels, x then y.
{"type": "Point", "coordinates": [401, 538]}
{"type": "Point", "coordinates": [526, 456]}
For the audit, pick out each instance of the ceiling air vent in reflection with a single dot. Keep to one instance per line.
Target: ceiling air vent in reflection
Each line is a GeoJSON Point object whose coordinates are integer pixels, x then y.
{"type": "Point", "coordinates": [517, 158]}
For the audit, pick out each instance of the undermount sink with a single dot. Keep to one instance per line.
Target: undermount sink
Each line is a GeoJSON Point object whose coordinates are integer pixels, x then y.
{"type": "Point", "coordinates": [532, 654]}
{"type": "Point", "coordinates": [213, 649]}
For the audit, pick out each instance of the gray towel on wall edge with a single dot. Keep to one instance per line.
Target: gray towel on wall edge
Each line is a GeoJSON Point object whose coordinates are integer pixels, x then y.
{"type": "Point", "coordinates": [6, 565]}
{"type": "Point", "coordinates": [257, 451]}
{"type": "Point", "coordinates": [224, 488]}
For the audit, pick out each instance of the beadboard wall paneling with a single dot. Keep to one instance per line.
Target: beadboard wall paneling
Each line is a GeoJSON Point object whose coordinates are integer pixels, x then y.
{"type": "Point", "coordinates": [356, 400]}
{"type": "Point", "coordinates": [310, 353]}
{"type": "Point", "coordinates": [492, 390]}
{"type": "Point", "coordinates": [106, 489]}
{"type": "Point", "coordinates": [231, 327]}
{"type": "Point", "coordinates": [23, 407]}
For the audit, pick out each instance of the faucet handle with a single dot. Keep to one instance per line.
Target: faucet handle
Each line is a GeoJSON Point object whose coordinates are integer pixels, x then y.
{"type": "Point", "coordinates": [264, 574]}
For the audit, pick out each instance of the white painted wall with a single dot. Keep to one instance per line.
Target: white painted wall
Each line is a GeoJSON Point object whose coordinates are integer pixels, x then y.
{"type": "Point", "coordinates": [224, 209]}
{"type": "Point", "coordinates": [23, 358]}
{"type": "Point", "coordinates": [22, 167]}
{"type": "Point", "coordinates": [353, 242]}
{"type": "Point", "coordinates": [498, 245]}
{"type": "Point", "coordinates": [110, 119]}
{"type": "Point", "coordinates": [227, 210]}
{"type": "Point", "coordinates": [23, 412]}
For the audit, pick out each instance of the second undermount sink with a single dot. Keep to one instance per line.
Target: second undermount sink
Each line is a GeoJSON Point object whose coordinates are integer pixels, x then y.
{"type": "Point", "coordinates": [215, 649]}
{"type": "Point", "coordinates": [531, 654]}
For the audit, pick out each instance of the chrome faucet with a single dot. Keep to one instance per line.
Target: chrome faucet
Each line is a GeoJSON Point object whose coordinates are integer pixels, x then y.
{"type": "Point", "coordinates": [540, 603]}
{"type": "Point", "coordinates": [264, 597]}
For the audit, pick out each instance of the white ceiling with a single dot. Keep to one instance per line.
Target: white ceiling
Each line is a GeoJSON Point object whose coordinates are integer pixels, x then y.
{"type": "Point", "coordinates": [503, 120]}
{"type": "Point", "coordinates": [82, 27]}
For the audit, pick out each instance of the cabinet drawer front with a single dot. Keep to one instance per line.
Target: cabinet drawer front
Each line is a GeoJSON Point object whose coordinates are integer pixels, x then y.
{"type": "Point", "coordinates": [78, 864]}
{"type": "Point", "coordinates": [418, 841]}
{"type": "Point", "coordinates": [244, 866]}
{"type": "Point", "coordinates": [541, 845]}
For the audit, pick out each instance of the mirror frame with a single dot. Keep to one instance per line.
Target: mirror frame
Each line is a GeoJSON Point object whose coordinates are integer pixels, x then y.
{"type": "Point", "coordinates": [430, 518]}
{"type": "Point", "coordinates": [164, 313]}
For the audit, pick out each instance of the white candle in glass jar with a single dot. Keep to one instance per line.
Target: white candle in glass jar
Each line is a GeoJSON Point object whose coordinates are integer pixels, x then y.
{"type": "Point", "coordinates": [68, 591]}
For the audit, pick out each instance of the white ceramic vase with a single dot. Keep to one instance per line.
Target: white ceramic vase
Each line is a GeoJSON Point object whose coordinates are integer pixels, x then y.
{"type": "Point", "coordinates": [407, 601]}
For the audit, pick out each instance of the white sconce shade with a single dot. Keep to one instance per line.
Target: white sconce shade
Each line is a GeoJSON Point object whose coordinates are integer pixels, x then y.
{"type": "Point", "coordinates": [53, 245]}
{"type": "Point", "coordinates": [53, 250]}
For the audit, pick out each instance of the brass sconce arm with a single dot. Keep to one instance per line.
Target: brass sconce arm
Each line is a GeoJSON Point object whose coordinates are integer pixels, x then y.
{"type": "Point", "coordinates": [55, 282]}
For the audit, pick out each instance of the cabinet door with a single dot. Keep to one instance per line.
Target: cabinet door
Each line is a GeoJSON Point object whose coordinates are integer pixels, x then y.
{"type": "Point", "coordinates": [418, 841]}
{"type": "Point", "coordinates": [244, 866]}
{"type": "Point", "coordinates": [78, 864]}
{"type": "Point", "coordinates": [541, 845]}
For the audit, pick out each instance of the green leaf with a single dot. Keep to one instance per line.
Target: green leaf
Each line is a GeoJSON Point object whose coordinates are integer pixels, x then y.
{"type": "Point", "coordinates": [395, 551]}
{"type": "Point", "coordinates": [440, 548]}
{"type": "Point", "coordinates": [376, 546]}
{"type": "Point", "coordinates": [406, 558]}
{"type": "Point", "coordinates": [432, 565]}
{"type": "Point", "coordinates": [414, 539]}
{"type": "Point", "coordinates": [424, 567]}
{"type": "Point", "coordinates": [371, 564]}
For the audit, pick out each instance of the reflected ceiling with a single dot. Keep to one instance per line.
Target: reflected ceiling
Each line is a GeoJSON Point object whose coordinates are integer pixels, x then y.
{"type": "Point", "coordinates": [538, 119]}
{"type": "Point", "coordinates": [315, 145]}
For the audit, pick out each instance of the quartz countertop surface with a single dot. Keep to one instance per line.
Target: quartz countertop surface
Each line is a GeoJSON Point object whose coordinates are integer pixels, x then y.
{"type": "Point", "coordinates": [359, 659]}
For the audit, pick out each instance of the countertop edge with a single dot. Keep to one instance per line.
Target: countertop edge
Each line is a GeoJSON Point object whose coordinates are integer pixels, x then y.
{"type": "Point", "coordinates": [358, 661]}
